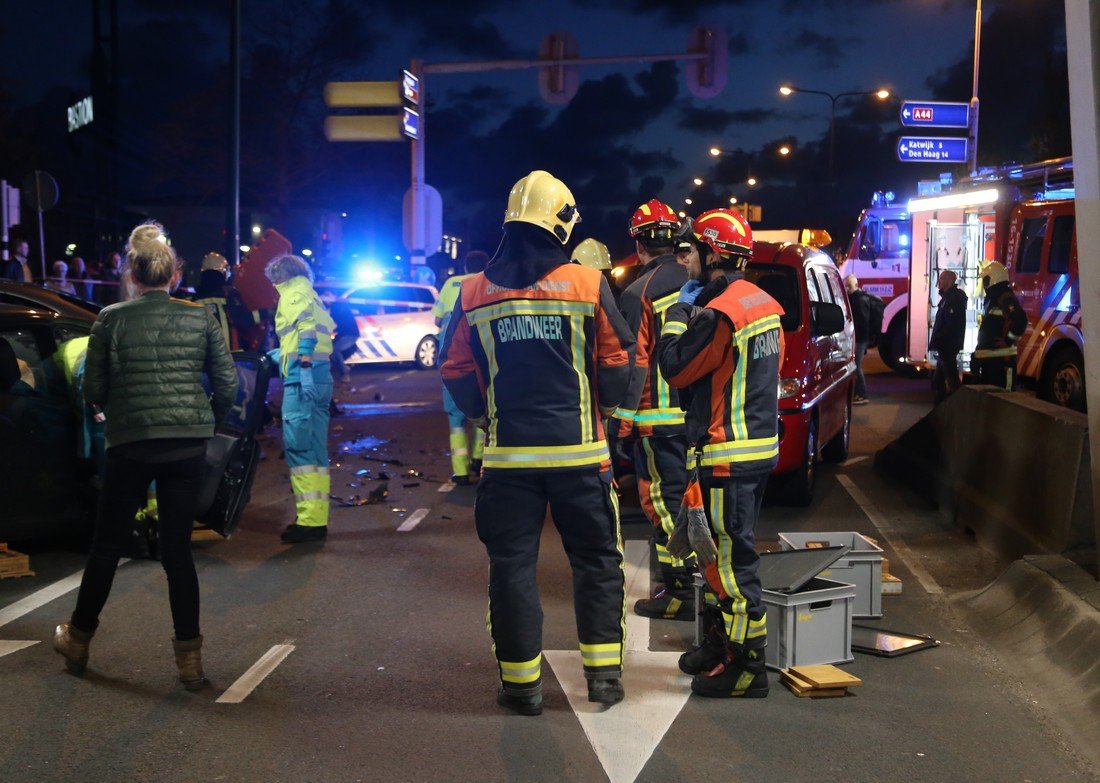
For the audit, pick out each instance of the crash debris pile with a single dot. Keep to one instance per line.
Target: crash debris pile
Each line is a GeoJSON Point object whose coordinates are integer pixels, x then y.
{"type": "Point", "coordinates": [13, 564]}
{"type": "Point", "coordinates": [818, 682]}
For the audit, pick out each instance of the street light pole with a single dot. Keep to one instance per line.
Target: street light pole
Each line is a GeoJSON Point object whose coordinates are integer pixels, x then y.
{"type": "Point", "coordinates": [972, 132]}
{"type": "Point", "coordinates": [881, 94]}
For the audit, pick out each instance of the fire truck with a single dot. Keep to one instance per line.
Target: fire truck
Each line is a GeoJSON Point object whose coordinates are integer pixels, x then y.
{"type": "Point", "coordinates": [878, 255]}
{"type": "Point", "coordinates": [1024, 217]}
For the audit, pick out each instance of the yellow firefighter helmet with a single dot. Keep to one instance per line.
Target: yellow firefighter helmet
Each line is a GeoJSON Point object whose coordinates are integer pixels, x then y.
{"type": "Point", "coordinates": [593, 254]}
{"type": "Point", "coordinates": [992, 273]}
{"type": "Point", "coordinates": [543, 200]}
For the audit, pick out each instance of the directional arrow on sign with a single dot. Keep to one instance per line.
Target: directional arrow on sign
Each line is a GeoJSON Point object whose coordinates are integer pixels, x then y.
{"type": "Point", "coordinates": [625, 736]}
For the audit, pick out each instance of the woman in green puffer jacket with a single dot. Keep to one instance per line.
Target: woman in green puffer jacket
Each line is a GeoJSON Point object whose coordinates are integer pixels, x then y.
{"type": "Point", "coordinates": [144, 367]}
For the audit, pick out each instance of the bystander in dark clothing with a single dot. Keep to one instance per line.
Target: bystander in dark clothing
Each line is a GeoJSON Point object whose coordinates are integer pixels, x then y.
{"type": "Point", "coordinates": [110, 277]}
{"type": "Point", "coordinates": [347, 334]}
{"type": "Point", "coordinates": [948, 335]}
{"type": "Point", "coordinates": [863, 308]}
{"type": "Point", "coordinates": [78, 276]}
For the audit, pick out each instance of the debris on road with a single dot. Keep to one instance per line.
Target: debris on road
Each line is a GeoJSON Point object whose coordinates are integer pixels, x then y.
{"type": "Point", "coordinates": [14, 564]}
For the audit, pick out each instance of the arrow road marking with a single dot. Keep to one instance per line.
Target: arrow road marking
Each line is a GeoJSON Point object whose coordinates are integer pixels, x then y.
{"type": "Point", "coordinates": [625, 736]}
{"type": "Point", "coordinates": [413, 520]}
{"type": "Point", "coordinates": [248, 681]}
{"type": "Point", "coordinates": [7, 647]}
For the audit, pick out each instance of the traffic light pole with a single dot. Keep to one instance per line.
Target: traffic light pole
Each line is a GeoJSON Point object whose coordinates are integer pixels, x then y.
{"type": "Point", "coordinates": [417, 253]}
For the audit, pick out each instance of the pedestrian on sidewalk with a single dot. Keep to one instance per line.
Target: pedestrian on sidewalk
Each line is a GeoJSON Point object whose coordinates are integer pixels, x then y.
{"type": "Point", "coordinates": [864, 306]}
{"type": "Point", "coordinates": [537, 352]}
{"type": "Point", "coordinates": [948, 334]}
{"type": "Point", "coordinates": [144, 367]}
{"type": "Point", "coordinates": [304, 329]}
{"type": "Point", "coordinates": [467, 448]}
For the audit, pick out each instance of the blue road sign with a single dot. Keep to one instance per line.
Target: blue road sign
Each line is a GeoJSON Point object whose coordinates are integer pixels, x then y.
{"type": "Point", "coordinates": [410, 123]}
{"type": "Point", "coordinates": [933, 114]}
{"type": "Point", "coordinates": [931, 149]}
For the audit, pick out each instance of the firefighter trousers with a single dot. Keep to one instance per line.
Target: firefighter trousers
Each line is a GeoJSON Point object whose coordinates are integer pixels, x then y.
{"type": "Point", "coordinates": [997, 371]}
{"type": "Point", "coordinates": [661, 467]}
{"type": "Point", "coordinates": [464, 446]}
{"type": "Point", "coordinates": [509, 513]}
{"type": "Point", "coordinates": [733, 506]}
{"type": "Point", "coordinates": [305, 438]}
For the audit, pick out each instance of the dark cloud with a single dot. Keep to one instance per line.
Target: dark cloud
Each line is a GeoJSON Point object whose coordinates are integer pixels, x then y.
{"type": "Point", "coordinates": [828, 50]}
{"type": "Point", "coordinates": [685, 12]}
{"type": "Point", "coordinates": [706, 120]}
{"type": "Point", "coordinates": [445, 32]}
{"type": "Point", "coordinates": [739, 44]}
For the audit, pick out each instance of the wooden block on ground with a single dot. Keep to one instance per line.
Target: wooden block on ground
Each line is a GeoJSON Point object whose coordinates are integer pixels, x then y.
{"type": "Point", "coordinates": [13, 564]}
{"type": "Point", "coordinates": [204, 534]}
{"type": "Point", "coordinates": [813, 693]}
{"type": "Point", "coordinates": [826, 676]}
{"type": "Point", "coordinates": [816, 544]}
{"type": "Point", "coordinates": [891, 585]}
{"type": "Point", "coordinates": [794, 682]}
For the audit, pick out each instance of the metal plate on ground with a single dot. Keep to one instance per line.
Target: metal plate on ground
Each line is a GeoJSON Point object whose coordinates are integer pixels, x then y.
{"type": "Point", "coordinates": [889, 644]}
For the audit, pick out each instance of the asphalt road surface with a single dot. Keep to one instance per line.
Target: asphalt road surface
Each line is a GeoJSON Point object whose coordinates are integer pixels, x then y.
{"type": "Point", "coordinates": [366, 659]}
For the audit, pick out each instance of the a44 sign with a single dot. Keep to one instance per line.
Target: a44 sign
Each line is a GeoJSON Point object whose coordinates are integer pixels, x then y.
{"type": "Point", "coordinates": [935, 114]}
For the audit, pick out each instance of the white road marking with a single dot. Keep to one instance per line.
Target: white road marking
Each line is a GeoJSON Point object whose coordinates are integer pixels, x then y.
{"type": "Point", "coordinates": [625, 736]}
{"type": "Point", "coordinates": [853, 461]}
{"type": "Point", "coordinates": [392, 378]}
{"type": "Point", "coordinates": [9, 646]}
{"type": "Point", "coordinates": [247, 682]}
{"type": "Point", "coordinates": [413, 520]}
{"type": "Point", "coordinates": [42, 597]}
{"type": "Point", "coordinates": [447, 487]}
{"type": "Point", "coordinates": [887, 530]}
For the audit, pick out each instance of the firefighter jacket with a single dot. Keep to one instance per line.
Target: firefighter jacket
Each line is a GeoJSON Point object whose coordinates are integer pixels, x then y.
{"type": "Point", "coordinates": [537, 350]}
{"type": "Point", "coordinates": [303, 325]}
{"type": "Point", "coordinates": [729, 354]}
{"type": "Point", "coordinates": [651, 405]}
{"type": "Point", "coordinates": [1002, 324]}
{"type": "Point", "coordinates": [949, 329]}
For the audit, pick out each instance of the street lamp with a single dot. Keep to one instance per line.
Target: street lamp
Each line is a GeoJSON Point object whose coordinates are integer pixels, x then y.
{"type": "Point", "coordinates": [698, 181]}
{"type": "Point", "coordinates": [751, 181]}
{"type": "Point", "coordinates": [688, 201]}
{"type": "Point", "coordinates": [787, 89]}
{"type": "Point", "coordinates": [784, 150]}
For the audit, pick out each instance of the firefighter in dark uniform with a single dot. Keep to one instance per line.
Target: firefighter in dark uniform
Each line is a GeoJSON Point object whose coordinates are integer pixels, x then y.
{"type": "Point", "coordinates": [1002, 326]}
{"type": "Point", "coordinates": [537, 353]}
{"type": "Point", "coordinates": [652, 407]}
{"type": "Point", "coordinates": [722, 341]}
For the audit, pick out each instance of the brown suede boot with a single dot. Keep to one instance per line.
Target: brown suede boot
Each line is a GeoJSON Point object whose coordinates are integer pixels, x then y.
{"type": "Point", "coordinates": [189, 661]}
{"type": "Point", "coordinates": [72, 644]}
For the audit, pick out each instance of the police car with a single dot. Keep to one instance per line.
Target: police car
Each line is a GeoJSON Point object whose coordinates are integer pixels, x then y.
{"type": "Point", "coordinates": [395, 323]}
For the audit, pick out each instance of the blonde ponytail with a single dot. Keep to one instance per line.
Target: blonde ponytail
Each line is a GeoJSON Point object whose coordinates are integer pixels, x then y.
{"type": "Point", "coordinates": [151, 259]}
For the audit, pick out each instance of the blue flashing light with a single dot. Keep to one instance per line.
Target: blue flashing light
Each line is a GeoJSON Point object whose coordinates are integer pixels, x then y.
{"type": "Point", "coordinates": [1066, 303]}
{"type": "Point", "coordinates": [367, 273]}
{"type": "Point", "coordinates": [1059, 193]}
{"type": "Point", "coordinates": [903, 240]}
{"type": "Point", "coordinates": [889, 196]}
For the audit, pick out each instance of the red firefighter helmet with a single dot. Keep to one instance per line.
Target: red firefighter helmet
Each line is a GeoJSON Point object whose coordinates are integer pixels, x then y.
{"type": "Point", "coordinates": [654, 220]}
{"type": "Point", "coordinates": [725, 232]}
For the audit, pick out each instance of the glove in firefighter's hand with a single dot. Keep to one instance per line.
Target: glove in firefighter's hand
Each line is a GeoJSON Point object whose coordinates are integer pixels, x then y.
{"type": "Point", "coordinates": [692, 534]}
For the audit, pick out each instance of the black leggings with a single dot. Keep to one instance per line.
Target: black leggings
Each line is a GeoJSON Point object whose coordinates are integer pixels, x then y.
{"type": "Point", "coordinates": [124, 492]}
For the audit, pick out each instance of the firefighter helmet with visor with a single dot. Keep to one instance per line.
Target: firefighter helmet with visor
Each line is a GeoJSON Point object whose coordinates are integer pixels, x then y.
{"type": "Point", "coordinates": [543, 200]}
{"type": "Point", "coordinates": [654, 221]}
{"type": "Point", "coordinates": [726, 233]}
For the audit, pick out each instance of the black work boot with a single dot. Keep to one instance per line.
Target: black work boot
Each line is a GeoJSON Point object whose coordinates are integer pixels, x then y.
{"type": "Point", "coordinates": [741, 674]}
{"type": "Point", "coordinates": [707, 655]}
{"type": "Point", "coordinates": [606, 692]}
{"type": "Point", "coordinates": [524, 701]}
{"type": "Point", "coordinates": [300, 534]}
{"type": "Point", "coordinates": [667, 605]}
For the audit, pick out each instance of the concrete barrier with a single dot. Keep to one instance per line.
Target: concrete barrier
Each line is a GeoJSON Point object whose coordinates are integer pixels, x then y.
{"type": "Point", "coordinates": [1041, 618]}
{"type": "Point", "coordinates": [1010, 468]}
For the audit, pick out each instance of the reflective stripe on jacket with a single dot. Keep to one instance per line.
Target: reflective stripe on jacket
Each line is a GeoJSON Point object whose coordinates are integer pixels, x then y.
{"type": "Point", "coordinates": [539, 365]}
{"type": "Point", "coordinates": [729, 354]}
{"type": "Point", "coordinates": [651, 404]}
{"type": "Point", "coordinates": [302, 324]}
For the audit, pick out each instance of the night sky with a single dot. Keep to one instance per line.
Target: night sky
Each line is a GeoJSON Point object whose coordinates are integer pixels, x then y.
{"type": "Point", "coordinates": [631, 133]}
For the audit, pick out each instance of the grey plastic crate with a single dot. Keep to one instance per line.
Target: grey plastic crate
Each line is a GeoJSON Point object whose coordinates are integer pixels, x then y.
{"type": "Point", "coordinates": [862, 566]}
{"type": "Point", "coordinates": [810, 626]}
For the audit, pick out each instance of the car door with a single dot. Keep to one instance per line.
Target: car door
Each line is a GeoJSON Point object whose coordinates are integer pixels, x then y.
{"type": "Point", "coordinates": [834, 352]}
{"type": "Point", "coordinates": [42, 482]}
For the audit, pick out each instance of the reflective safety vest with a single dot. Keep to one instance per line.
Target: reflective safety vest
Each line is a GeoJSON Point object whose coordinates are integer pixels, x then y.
{"type": "Point", "coordinates": [302, 324]}
{"type": "Point", "coordinates": [651, 404]}
{"type": "Point", "coordinates": [216, 306]}
{"type": "Point", "coordinates": [537, 352]}
{"type": "Point", "coordinates": [445, 304]}
{"type": "Point", "coordinates": [734, 416]}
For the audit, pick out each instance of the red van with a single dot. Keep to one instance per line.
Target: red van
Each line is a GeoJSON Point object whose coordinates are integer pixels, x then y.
{"type": "Point", "coordinates": [817, 379]}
